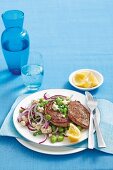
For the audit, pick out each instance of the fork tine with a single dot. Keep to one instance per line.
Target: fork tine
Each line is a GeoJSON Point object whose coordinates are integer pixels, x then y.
{"type": "Point", "coordinates": [89, 97]}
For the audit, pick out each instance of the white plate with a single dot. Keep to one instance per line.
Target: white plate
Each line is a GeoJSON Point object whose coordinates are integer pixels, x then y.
{"type": "Point", "coordinates": [26, 101]}
{"type": "Point", "coordinates": [49, 149]}
{"type": "Point", "coordinates": [98, 75]}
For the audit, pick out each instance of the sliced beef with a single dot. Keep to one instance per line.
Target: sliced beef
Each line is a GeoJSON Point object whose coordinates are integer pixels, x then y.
{"type": "Point", "coordinates": [56, 116]}
{"type": "Point", "coordinates": [78, 114]}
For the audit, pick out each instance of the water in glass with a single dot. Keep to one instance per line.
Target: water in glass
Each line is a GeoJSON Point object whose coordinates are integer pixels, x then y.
{"type": "Point", "coordinates": [32, 76]}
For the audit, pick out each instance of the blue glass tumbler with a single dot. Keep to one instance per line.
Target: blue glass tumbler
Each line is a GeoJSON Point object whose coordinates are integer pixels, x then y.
{"type": "Point", "coordinates": [15, 41]}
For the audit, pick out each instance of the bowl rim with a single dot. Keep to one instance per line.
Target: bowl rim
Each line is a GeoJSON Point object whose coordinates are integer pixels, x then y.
{"type": "Point", "coordinates": [86, 89]}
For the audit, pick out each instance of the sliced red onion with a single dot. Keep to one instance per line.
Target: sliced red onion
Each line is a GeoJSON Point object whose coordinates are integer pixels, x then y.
{"type": "Point", "coordinates": [38, 114]}
{"type": "Point", "coordinates": [43, 139]}
{"type": "Point", "coordinates": [31, 128]}
{"type": "Point", "coordinates": [29, 114]}
{"type": "Point", "coordinates": [23, 108]}
{"type": "Point", "coordinates": [24, 113]}
{"type": "Point", "coordinates": [55, 96]}
{"type": "Point", "coordinates": [46, 124]}
{"type": "Point", "coordinates": [27, 123]}
{"type": "Point", "coordinates": [35, 108]}
{"type": "Point", "coordinates": [46, 96]}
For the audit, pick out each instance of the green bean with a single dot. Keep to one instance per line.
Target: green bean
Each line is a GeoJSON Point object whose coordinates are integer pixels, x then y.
{"type": "Point", "coordinates": [45, 102]}
{"type": "Point", "coordinates": [60, 138]}
{"type": "Point", "coordinates": [61, 133]}
{"type": "Point", "coordinates": [48, 117]}
{"type": "Point", "coordinates": [53, 128]}
{"type": "Point", "coordinates": [79, 127]}
{"type": "Point", "coordinates": [66, 128]}
{"type": "Point", "coordinates": [41, 104]}
{"type": "Point", "coordinates": [41, 100]}
{"type": "Point", "coordinates": [61, 110]}
{"type": "Point", "coordinates": [65, 110]}
{"type": "Point", "coordinates": [60, 129]}
{"type": "Point", "coordinates": [37, 133]}
{"type": "Point", "coordinates": [63, 106]}
{"type": "Point", "coordinates": [59, 101]}
{"type": "Point", "coordinates": [53, 139]}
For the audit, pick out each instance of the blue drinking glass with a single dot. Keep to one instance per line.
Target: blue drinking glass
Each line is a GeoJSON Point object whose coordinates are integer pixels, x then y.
{"type": "Point", "coordinates": [15, 41]}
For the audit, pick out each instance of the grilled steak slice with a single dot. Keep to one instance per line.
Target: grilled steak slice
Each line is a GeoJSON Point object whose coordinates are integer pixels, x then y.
{"type": "Point", "coordinates": [78, 114]}
{"type": "Point", "coordinates": [56, 116]}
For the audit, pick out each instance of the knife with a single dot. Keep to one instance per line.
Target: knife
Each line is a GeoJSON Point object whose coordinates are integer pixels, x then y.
{"type": "Point", "coordinates": [100, 139]}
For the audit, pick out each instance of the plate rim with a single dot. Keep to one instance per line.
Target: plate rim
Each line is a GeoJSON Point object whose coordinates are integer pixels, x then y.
{"type": "Point", "coordinates": [30, 146]}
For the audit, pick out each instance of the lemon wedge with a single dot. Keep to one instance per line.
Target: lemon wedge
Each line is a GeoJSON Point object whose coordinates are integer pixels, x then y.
{"type": "Point", "coordinates": [85, 79]}
{"type": "Point", "coordinates": [93, 80]}
{"type": "Point", "coordinates": [73, 133]}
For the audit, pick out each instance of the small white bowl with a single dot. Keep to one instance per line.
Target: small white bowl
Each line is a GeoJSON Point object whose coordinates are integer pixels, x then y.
{"type": "Point", "coordinates": [98, 75]}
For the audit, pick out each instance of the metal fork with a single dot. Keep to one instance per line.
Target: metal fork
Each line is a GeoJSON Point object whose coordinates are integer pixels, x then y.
{"type": "Point", "coordinates": [92, 106]}
{"type": "Point", "coordinates": [93, 101]}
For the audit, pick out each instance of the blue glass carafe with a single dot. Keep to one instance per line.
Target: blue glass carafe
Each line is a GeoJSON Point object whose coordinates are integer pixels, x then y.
{"type": "Point", "coordinates": [15, 41]}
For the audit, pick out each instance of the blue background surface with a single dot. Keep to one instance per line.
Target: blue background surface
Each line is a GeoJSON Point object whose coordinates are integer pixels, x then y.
{"type": "Point", "coordinates": [70, 34]}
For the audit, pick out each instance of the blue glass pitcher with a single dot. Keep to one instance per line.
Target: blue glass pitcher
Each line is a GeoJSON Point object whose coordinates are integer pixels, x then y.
{"type": "Point", "coordinates": [15, 41]}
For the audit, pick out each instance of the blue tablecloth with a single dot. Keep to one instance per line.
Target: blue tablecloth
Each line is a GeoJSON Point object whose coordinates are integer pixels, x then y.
{"type": "Point", "coordinates": [70, 34]}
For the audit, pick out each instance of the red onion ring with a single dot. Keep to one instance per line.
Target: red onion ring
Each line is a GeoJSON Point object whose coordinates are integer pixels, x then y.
{"type": "Point", "coordinates": [24, 113]}
{"type": "Point", "coordinates": [55, 96]}
{"type": "Point", "coordinates": [29, 114]}
{"type": "Point", "coordinates": [43, 140]}
{"type": "Point", "coordinates": [45, 96]}
{"type": "Point", "coordinates": [52, 97]}
{"type": "Point", "coordinates": [39, 114]}
{"type": "Point", "coordinates": [31, 128]}
{"type": "Point", "coordinates": [46, 124]}
{"type": "Point", "coordinates": [23, 108]}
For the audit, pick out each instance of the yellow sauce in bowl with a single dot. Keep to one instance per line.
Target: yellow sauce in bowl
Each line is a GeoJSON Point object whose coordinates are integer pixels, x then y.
{"type": "Point", "coordinates": [85, 79]}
